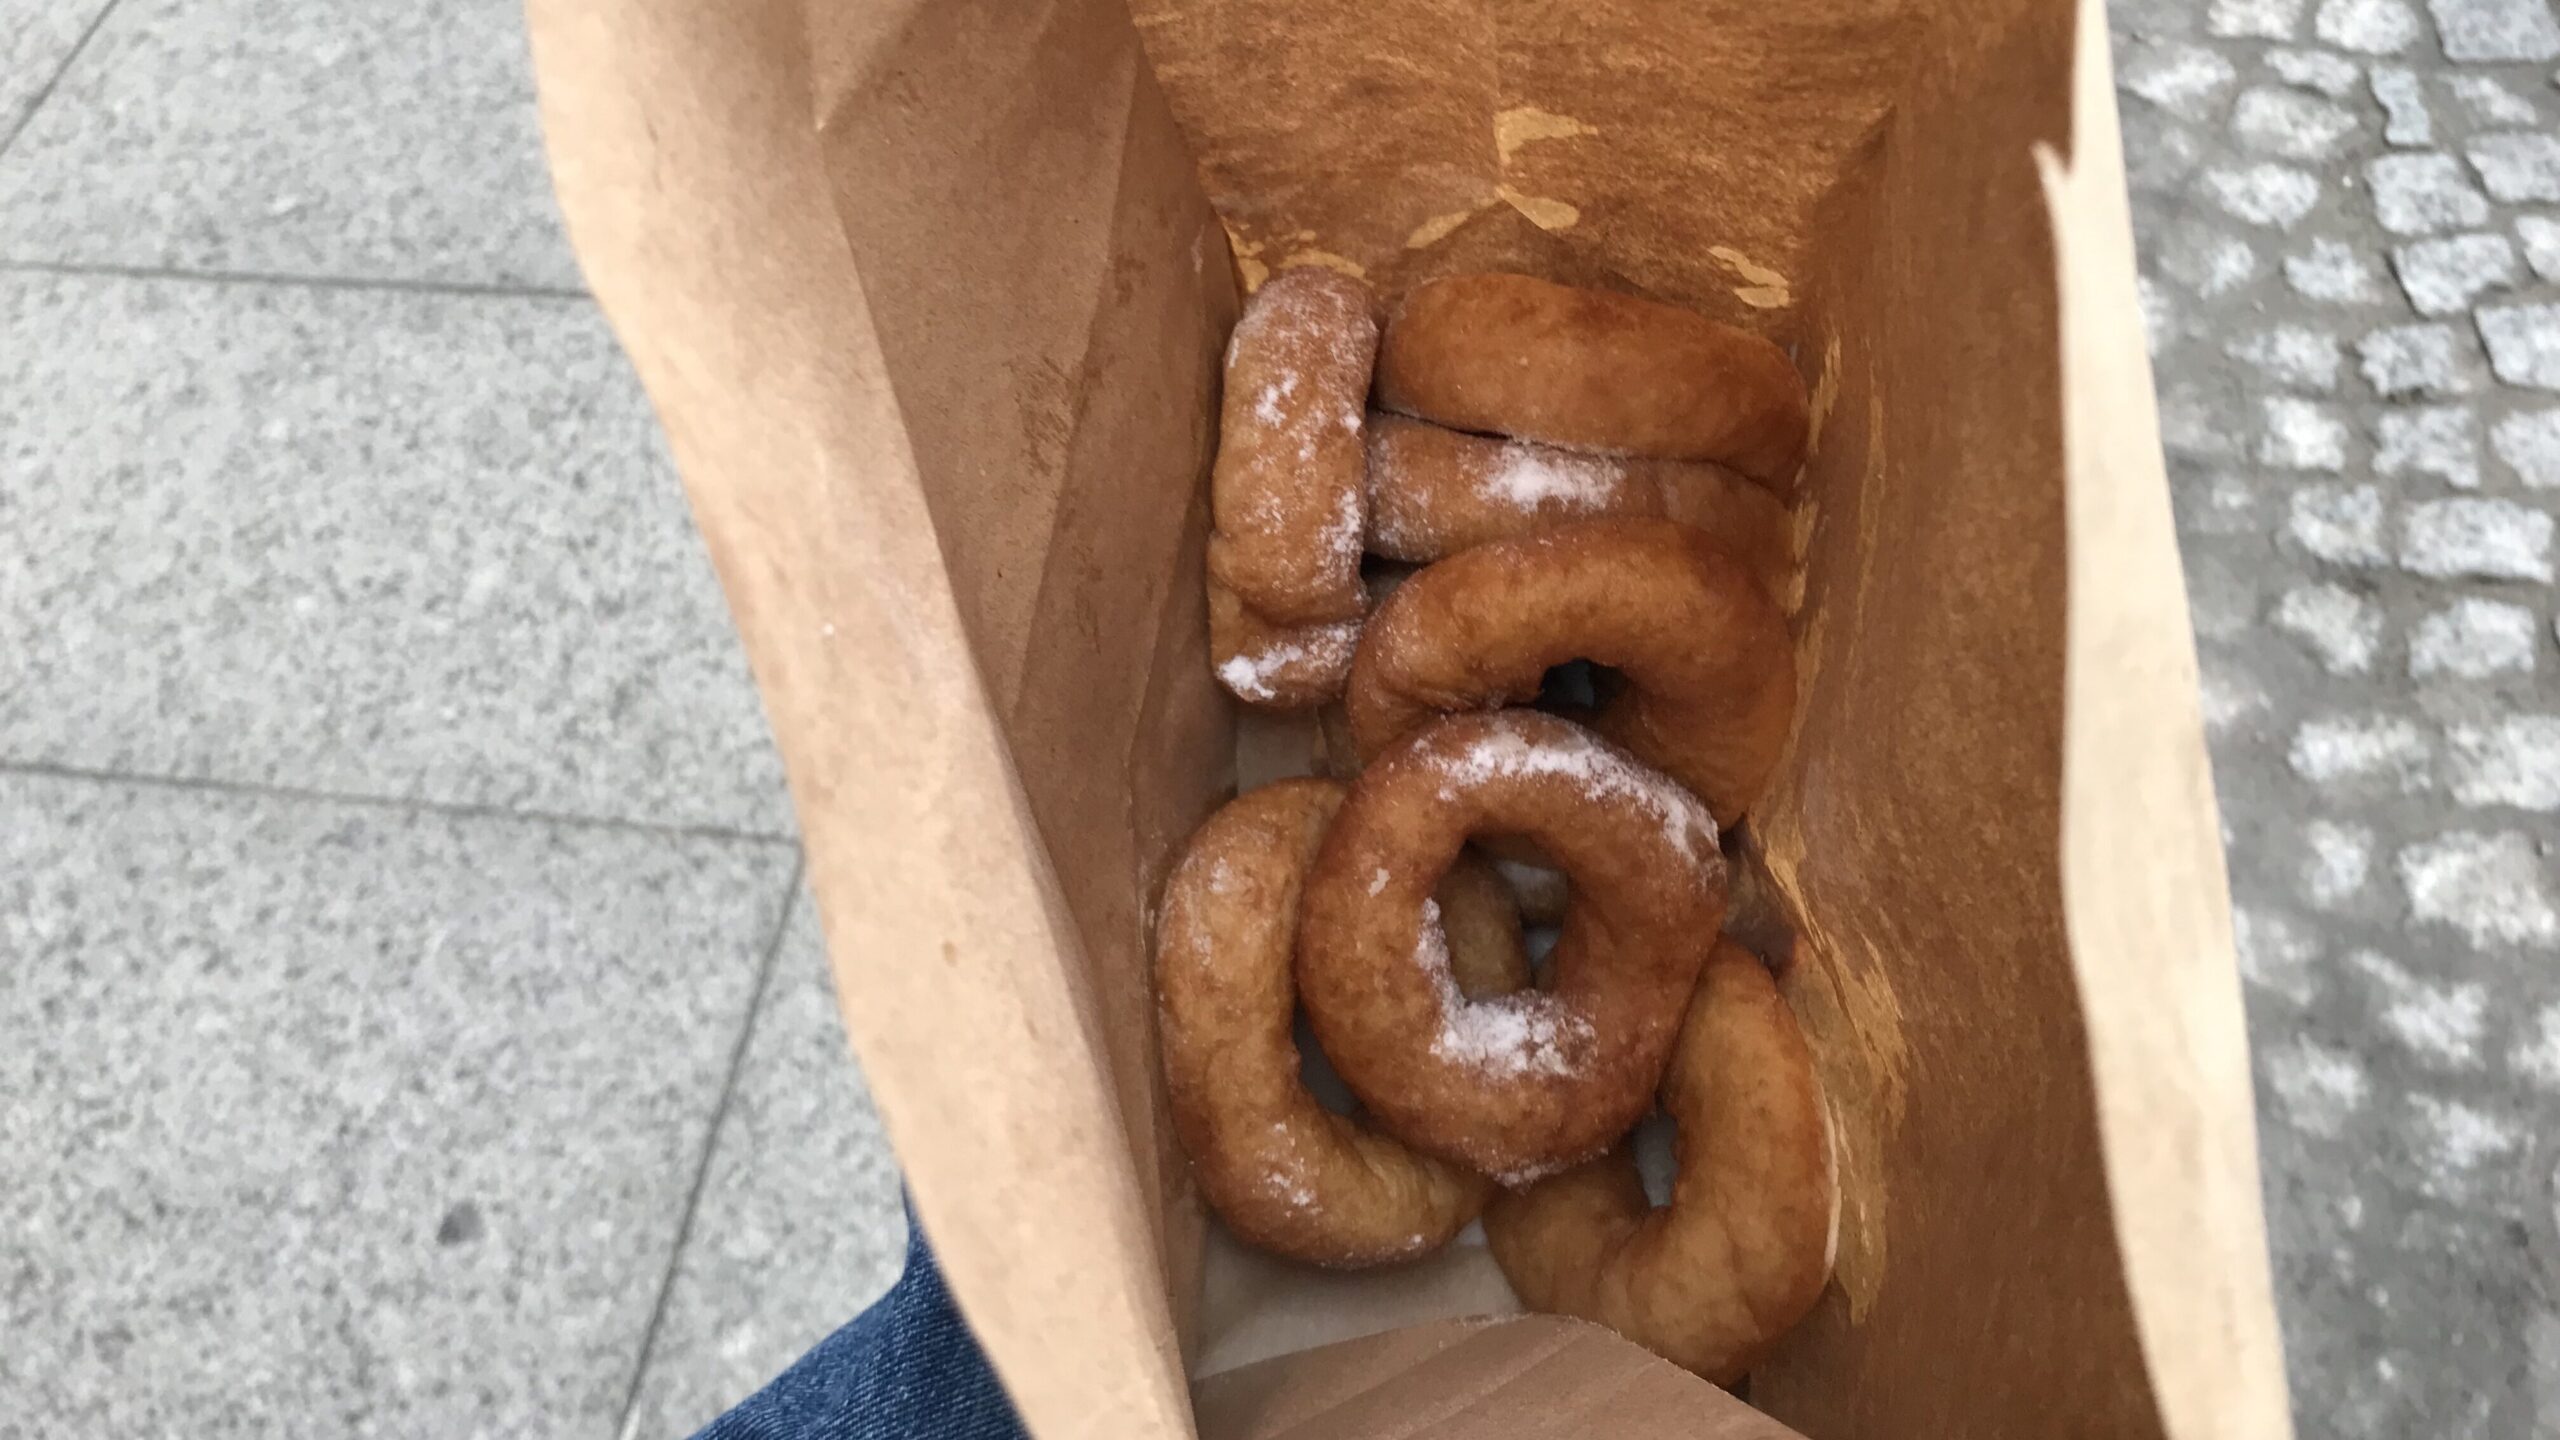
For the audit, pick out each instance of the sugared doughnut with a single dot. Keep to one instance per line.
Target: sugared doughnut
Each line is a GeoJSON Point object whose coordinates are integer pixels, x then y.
{"type": "Point", "coordinates": [1277, 667]}
{"type": "Point", "coordinates": [1710, 669]}
{"type": "Point", "coordinates": [1509, 355]}
{"type": "Point", "coordinates": [1712, 1279]}
{"type": "Point", "coordinates": [1523, 1085]}
{"type": "Point", "coordinates": [1287, 496]}
{"type": "Point", "coordinates": [1282, 1171]}
{"type": "Point", "coordinates": [1435, 491]}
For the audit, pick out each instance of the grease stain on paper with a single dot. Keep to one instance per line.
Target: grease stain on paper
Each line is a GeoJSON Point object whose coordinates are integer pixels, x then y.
{"type": "Point", "coordinates": [1252, 269]}
{"type": "Point", "coordinates": [1436, 229]}
{"type": "Point", "coordinates": [1543, 212]}
{"type": "Point", "coordinates": [1522, 124]}
{"type": "Point", "coordinates": [1310, 255]}
{"type": "Point", "coordinates": [1854, 1021]}
{"type": "Point", "coordinates": [1766, 288]}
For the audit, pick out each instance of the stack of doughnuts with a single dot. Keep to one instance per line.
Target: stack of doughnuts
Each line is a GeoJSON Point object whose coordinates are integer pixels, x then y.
{"type": "Point", "coordinates": [1580, 477]}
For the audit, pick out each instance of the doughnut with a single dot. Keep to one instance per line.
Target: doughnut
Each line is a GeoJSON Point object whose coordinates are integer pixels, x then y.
{"type": "Point", "coordinates": [1283, 1172]}
{"type": "Point", "coordinates": [1433, 492]}
{"type": "Point", "coordinates": [1710, 669]}
{"type": "Point", "coordinates": [1277, 667]}
{"type": "Point", "coordinates": [1341, 755]}
{"type": "Point", "coordinates": [1509, 355]}
{"type": "Point", "coordinates": [1711, 1280]}
{"type": "Point", "coordinates": [1288, 494]}
{"type": "Point", "coordinates": [1526, 1084]}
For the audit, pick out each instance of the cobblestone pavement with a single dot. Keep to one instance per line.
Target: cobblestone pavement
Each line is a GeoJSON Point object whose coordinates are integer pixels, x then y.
{"type": "Point", "coordinates": [2349, 217]}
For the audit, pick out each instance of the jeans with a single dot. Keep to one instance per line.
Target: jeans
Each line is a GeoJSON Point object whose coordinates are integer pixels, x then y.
{"type": "Point", "coordinates": [905, 1369]}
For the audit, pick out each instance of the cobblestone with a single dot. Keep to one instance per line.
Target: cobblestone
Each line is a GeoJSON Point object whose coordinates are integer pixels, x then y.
{"type": "Point", "coordinates": [2530, 445]}
{"type": "Point", "coordinates": [2537, 1055]}
{"type": "Point", "coordinates": [2443, 277]}
{"type": "Point", "coordinates": [2318, 1086]}
{"type": "Point", "coordinates": [2188, 81]}
{"type": "Point", "coordinates": [2405, 120]}
{"type": "Point", "coordinates": [2297, 357]}
{"type": "Point", "coordinates": [2524, 344]}
{"type": "Point", "coordinates": [2336, 624]}
{"type": "Point", "coordinates": [2330, 270]}
{"type": "Point", "coordinates": [2277, 121]}
{"type": "Point", "coordinates": [2489, 887]}
{"type": "Point", "coordinates": [2369, 751]}
{"type": "Point", "coordinates": [2339, 523]}
{"type": "Point", "coordinates": [2265, 194]}
{"type": "Point", "coordinates": [2371, 27]}
{"type": "Point", "coordinates": [2473, 639]}
{"type": "Point", "coordinates": [2496, 29]}
{"type": "Point", "coordinates": [2314, 70]}
{"type": "Point", "coordinates": [2431, 440]}
{"type": "Point", "coordinates": [2407, 360]}
{"type": "Point", "coordinates": [2421, 194]}
{"type": "Point", "coordinates": [2513, 762]}
{"type": "Point", "coordinates": [2541, 237]}
{"type": "Point", "coordinates": [2336, 864]}
{"type": "Point", "coordinates": [2476, 539]}
{"type": "Point", "coordinates": [2301, 435]}
{"type": "Point", "coordinates": [2490, 103]}
{"type": "Point", "coordinates": [2277, 953]}
{"type": "Point", "coordinates": [2208, 261]}
{"type": "Point", "coordinates": [2441, 1023]}
{"type": "Point", "coordinates": [2358, 332]}
{"type": "Point", "coordinates": [2260, 19]}
{"type": "Point", "coordinates": [2517, 167]}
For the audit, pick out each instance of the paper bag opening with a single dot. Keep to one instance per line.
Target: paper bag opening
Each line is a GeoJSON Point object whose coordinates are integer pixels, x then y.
{"type": "Point", "coordinates": [931, 298]}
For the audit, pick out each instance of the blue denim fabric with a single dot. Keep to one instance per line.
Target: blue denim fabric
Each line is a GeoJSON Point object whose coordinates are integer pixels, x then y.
{"type": "Point", "coordinates": [905, 1369]}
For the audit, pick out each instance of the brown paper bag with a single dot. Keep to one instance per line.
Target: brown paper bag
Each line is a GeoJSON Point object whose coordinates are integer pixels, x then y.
{"type": "Point", "coordinates": [930, 296]}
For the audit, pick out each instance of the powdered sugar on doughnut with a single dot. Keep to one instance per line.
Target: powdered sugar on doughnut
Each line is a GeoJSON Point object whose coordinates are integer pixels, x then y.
{"type": "Point", "coordinates": [1527, 477]}
{"type": "Point", "coordinates": [1520, 1034]}
{"type": "Point", "coordinates": [1285, 1176]}
{"type": "Point", "coordinates": [1602, 771]}
{"type": "Point", "coordinates": [1342, 536]}
{"type": "Point", "coordinates": [1253, 674]}
{"type": "Point", "coordinates": [1266, 406]}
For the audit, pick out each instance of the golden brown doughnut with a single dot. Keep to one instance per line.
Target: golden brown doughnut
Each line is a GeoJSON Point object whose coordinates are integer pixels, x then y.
{"type": "Point", "coordinates": [1710, 669]}
{"type": "Point", "coordinates": [1711, 1280]}
{"type": "Point", "coordinates": [1510, 355]}
{"type": "Point", "coordinates": [1523, 1085]}
{"type": "Point", "coordinates": [1285, 1173]}
{"type": "Point", "coordinates": [1434, 491]}
{"type": "Point", "coordinates": [1341, 758]}
{"type": "Point", "coordinates": [1277, 667]}
{"type": "Point", "coordinates": [1287, 496]}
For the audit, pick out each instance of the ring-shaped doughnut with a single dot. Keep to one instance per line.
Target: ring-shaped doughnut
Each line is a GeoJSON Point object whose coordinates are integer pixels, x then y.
{"type": "Point", "coordinates": [1528, 1083]}
{"type": "Point", "coordinates": [1283, 1172]}
{"type": "Point", "coordinates": [1288, 494]}
{"type": "Point", "coordinates": [1710, 668]}
{"type": "Point", "coordinates": [1277, 667]}
{"type": "Point", "coordinates": [1711, 1280]}
{"type": "Point", "coordinates": [1435, 491]}
{"type": "Point", "coordinates": [1593, 370]}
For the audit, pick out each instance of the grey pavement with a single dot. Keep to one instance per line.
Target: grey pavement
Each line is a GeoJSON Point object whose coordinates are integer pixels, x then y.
{"type": "Point", "coordinates": [411, 1024]}
{"type": "Point", "coordinates": [2349, 219]}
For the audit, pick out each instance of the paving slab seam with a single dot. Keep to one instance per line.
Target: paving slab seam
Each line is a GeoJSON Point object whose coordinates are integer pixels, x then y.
{"type": "Point", "coordinates": [46, 770]}
{"type": "Point", "coordinates": [45, 91]}
{"type": "Point", "coordinates": [791, 901]}
{"type": "Point", "coordinates": [25, 266]}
